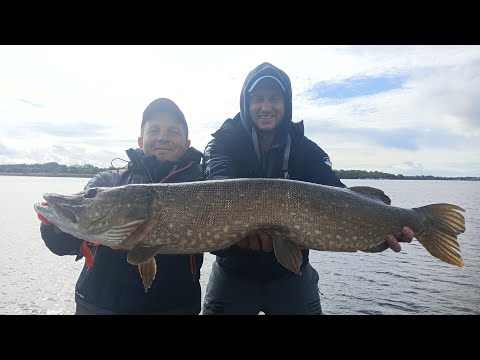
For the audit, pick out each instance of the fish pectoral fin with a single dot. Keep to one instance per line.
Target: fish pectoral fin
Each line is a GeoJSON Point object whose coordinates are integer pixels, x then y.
{"type": "Point", "coordinates": [147, 271]}
{"type": "Point", "coordinates": [115, 236]}
{"type": "Point", "coordinates": [288, 254]}
{"type": "Point", "coordinates": [372, 193]}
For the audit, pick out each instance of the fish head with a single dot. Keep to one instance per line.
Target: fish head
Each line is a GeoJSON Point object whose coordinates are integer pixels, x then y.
{"type": "Point", "coordinates": [96, 213]}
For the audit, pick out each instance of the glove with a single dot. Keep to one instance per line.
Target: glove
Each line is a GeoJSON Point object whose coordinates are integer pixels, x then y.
{"type": "Point", "coordinates": [42, 218]}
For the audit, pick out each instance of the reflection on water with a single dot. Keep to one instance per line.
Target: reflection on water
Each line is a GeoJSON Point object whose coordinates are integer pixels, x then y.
{"type": "Point", "coordinates": [412, 281]}
{"type": "Point", "coordinates": [35, 281]}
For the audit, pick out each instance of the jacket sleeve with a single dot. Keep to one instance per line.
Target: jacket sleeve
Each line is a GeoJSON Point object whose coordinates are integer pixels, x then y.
{"type": "Point", "coordinates": [66, 244]}
{"type": "Point", "coordinates": [319, 167]}
{"type": "Point", "coordinates": [60, 244]}
{"type": "Point", "coordinates": [218, 162]}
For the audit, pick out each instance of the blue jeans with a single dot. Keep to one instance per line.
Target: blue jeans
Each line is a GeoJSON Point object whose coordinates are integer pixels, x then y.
{"type": "Point", "coordinates": [230, 294]}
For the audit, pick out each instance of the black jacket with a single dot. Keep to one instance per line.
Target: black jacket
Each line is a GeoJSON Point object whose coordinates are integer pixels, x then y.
{"type": "Point", "coordinates": [112, 285]}
{"type": "Point", "coordinates": [232, 154]}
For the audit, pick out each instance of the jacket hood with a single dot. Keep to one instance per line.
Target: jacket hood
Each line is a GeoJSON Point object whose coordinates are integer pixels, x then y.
{"type": "Point", "coordinates": [266, 70]}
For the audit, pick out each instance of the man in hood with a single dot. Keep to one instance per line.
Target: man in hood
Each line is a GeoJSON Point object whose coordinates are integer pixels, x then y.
{"type": "Point", "coordinates": [262, 141]}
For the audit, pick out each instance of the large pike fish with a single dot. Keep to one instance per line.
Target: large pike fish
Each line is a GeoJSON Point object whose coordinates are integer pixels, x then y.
{"type": "Point", "coordinates": [196, 217]}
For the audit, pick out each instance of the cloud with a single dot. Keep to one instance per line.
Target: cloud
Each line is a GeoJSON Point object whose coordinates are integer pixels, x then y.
{"type": "Point", "coordinates": [415, 167]}
{"type": "Point", "coordinates": [76, 130]}
{"type": "Point", "coordinates": [411, 139]}
{"type": "Point", "coordinates": [4, 150]}
{"type": "Point", "coordinates": [452, 93]}
{"type": "Point", "coordinates": [31, 103]}
{"type": "Point", "coordinates": [397, 108]}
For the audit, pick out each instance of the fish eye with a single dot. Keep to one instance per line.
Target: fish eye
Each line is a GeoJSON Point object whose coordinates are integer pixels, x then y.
{"type": "Point", "coordinates": [91, 193]}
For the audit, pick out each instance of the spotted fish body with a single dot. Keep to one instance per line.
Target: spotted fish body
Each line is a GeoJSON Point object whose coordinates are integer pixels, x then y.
{"type": "Point", "coordinates": [196, 217]}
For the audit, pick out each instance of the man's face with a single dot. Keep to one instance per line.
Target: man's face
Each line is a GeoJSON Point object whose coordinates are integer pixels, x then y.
{"type": "Point", "coordinates": [163, 137]}
{"type": "Point", "coordinates": [267, 105]}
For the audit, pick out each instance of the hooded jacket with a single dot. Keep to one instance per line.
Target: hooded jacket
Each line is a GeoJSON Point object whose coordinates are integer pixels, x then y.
{"type": "Point", "coordinates": [234, 153]}
{"type": "Point", "coordinates": [112, 285]}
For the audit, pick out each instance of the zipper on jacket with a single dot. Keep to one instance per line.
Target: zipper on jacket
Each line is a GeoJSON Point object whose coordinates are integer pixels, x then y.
{"type": "Point", "coordinates": [286, 156]}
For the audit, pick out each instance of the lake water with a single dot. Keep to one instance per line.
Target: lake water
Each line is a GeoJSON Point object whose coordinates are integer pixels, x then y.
{"type": "Point", "coordinates": [35, 281]}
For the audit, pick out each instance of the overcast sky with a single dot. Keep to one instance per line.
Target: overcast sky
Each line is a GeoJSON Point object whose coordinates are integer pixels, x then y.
{"type": "Point", "coordinates": [411, 110]}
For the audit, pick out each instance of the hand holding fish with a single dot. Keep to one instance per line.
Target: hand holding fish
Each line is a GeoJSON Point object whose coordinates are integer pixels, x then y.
{"type": "Point", "coordinates": [394, 242]}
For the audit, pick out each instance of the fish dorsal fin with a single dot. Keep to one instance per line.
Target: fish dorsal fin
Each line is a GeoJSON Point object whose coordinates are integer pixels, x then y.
{"type": "Point", "coordinates": [372, 193]}
{"type": "Point", "coordinates": [288, 254]}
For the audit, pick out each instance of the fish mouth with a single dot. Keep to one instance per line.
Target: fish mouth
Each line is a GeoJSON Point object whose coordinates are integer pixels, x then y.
{"type": "Point", "coordinates": [45, 210]}
{"type": "Point", "coordinates": [55, 210]}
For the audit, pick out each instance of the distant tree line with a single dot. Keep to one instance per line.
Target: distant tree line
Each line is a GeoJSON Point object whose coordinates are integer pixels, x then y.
{"type": "Point", "coordinates": [362, 174]}
{"type": "Point", "coordinates": [55, 169]}
{"type": "Point", "coordinates": [49, 169]}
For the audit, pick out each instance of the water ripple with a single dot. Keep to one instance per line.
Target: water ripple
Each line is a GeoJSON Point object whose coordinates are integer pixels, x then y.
{"type": "Point", "coordinates": [35, 281]}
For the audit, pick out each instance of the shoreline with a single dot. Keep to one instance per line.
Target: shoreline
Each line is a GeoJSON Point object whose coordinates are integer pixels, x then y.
{"type": "Point", "coordinates": [49, 175]}
{"type": "Point", "coordinates": [420, 177]}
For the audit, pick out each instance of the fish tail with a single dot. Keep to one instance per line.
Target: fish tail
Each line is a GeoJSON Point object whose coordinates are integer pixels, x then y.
{"type": "Point", "coordinates": [441, 226]}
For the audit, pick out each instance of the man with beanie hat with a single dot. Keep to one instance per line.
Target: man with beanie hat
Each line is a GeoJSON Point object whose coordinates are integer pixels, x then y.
{"type": "Point", "coordinates": [262, 141]}
{"type": "Point", "coordinates": [108, 284]}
